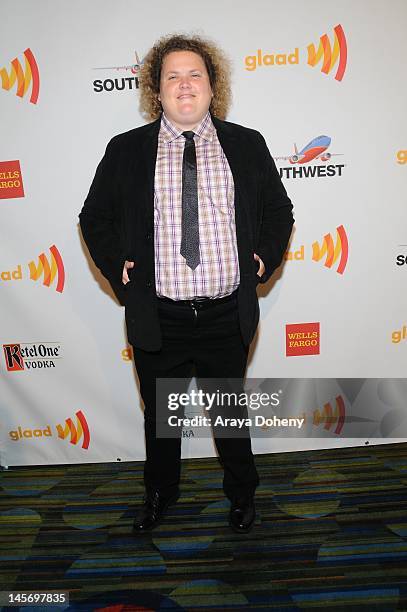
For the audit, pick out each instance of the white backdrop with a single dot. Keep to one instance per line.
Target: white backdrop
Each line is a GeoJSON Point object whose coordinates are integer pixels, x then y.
{"type": "Point", "coordinates": [68, 390]}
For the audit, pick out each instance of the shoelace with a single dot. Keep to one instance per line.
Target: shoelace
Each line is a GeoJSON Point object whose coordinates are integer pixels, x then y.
{"type": "Point", "coordinates": [152, 500]}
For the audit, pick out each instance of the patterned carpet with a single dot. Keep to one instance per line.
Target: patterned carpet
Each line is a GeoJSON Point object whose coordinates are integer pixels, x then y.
{"type": "Point", "coordinates": [331, 533]}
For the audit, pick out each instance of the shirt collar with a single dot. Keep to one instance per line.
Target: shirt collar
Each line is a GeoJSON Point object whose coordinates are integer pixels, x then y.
{"type": "Point", "coordinates": [169, 132]}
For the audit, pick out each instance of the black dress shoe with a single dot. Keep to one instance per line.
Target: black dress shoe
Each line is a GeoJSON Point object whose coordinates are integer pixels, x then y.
{"type": "Point", "coordinates": [152, 511]}
{"type": "Point", "coordinates": [242, 514]}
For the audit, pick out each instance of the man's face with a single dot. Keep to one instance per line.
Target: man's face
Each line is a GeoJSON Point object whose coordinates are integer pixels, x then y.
{"type": "Point", "coordinates": [185, 91]}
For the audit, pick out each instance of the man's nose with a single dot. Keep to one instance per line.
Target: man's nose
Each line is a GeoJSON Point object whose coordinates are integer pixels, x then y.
{"type": "Point", "coordinates": [185, 82]}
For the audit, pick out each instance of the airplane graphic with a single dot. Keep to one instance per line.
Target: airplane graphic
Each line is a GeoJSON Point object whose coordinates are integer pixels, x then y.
{"type": "Point", "coordinates": [315, 149]}
{"type": "Point", "coordinates": [134, 68]}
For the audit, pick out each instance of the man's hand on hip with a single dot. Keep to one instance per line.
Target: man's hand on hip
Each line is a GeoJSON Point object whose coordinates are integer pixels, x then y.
{"type": "Point", "coordinates": [125, 276]}
{"type": "Point", "coordinates": [262, 267]}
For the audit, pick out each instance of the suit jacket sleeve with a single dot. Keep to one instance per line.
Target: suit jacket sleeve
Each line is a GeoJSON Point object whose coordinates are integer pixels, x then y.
{"type": "Point", "coordinates": [277, 219]}
{"type": "Point", "coordinates": [101, 219]}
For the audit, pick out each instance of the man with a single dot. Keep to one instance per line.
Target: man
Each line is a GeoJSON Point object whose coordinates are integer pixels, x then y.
{"type": "Point", "coordinates": [184, 217]}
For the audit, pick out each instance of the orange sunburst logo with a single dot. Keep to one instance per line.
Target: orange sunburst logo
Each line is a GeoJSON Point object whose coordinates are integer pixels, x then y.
{"type": "Point", "coordinates": [23, 77]}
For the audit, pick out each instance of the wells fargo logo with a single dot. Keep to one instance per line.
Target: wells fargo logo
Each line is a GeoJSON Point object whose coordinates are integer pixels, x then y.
{"type": "Point", "coordinates": [48, 268]}
{"type": "Point", "coordinates": [328, 251]}
{"type": "Point", "coordinates": [75, 433]}
{"type": "Point", "coordinates": [24, 78]}
{"type": "Point", "coordinates": [31, 356]}
{"type": "Point", "coordinates": [11, 181]}
{"type": "Point", "coordinates": [328, 54]}
{"type": "Point", "coordinates": [302, 339]}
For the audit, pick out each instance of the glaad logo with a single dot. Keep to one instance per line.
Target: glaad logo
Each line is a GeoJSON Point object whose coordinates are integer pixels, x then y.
{"type": "Point", "coordinates": [332, 252]}
{"type": "Point", "coordinates": [122, 83]}
{"type": "Point", "coordinates": [127, 354]}
{"type": "Point", "coordinates": [402, 157]}
{"type": "Point", "coordinates": [399, 335]}
{"type": "Point", "coordinates": [47, 267]}
{"type": "Point", "coordinates": [49, 271]}
{"type": "Point", "coordinates": [21, 356]}
{"type": "Point", "coordinates": [329, 416]}
{"type": "Point", "coordinates": [329, 54]}
{"type": "Point", "coordinates": [327, 249]}
{"type": "Point", "coordinates": [74, 432]}
{"type": "Point", "coordinates": [20, 433]}
{"type": "Point", "coordinates": [11, 181]}
{"type": "Point", "coordinates": [24, 79]}
{"type": "Point", "coordinates": [316, 149]}
{"type": "Point", "coordinates": [302, 339]}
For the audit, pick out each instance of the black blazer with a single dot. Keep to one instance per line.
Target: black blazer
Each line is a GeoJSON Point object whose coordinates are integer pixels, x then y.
{"type": "Point", "coordinates": [117, 222]}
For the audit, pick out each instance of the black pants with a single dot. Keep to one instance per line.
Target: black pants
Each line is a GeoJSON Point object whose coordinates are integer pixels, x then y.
{"type": "Point", "coordinates": [205, 341]}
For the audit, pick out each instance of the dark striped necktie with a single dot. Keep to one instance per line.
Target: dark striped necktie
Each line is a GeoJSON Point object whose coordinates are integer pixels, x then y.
{"type": "Point", "coordinates": [190, 216]}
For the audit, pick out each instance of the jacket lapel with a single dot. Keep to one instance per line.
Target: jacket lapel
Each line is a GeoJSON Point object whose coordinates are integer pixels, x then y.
{"type": "Point", "coordinates": [149, 151]}
{"type": "Point", "coordinates": [234, 152]}
{"type": "Point", "coordinates": [236, 156]}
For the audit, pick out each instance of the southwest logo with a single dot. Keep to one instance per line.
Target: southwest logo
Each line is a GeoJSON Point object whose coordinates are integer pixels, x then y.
{"type": "Point", "coordinates": [332, 252]}
{"type": "Point", "coordinates": [49, 269]}
{"type": "Point", "coordinates": [11, 182]}
{"type": "Point", "coordinates": [327, 249]}
{"type": "Point", "coordinates": [122, 83]}
{"type": "Point", "coordinates": [24, 78]}
{"type": "Point", "coordinates": [75, 431]}
{"type": "Point", "coordinates": [302, 339]}
{"type": "Point", "coordinates": [315, 150]}
{"type": "Point", "coordinates": [329, 54]}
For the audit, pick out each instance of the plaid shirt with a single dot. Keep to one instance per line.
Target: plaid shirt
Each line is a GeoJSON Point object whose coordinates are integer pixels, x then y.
{"type": "Point", "coordinates": [218, 273]}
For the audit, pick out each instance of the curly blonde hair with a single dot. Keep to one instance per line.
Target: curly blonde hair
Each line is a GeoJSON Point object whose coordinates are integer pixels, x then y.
{"type": "Point", "coordinates": [217, 66]}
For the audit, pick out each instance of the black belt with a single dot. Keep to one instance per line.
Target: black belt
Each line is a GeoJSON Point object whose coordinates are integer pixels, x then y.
{"type": "Point", "coordinates": [200, 302]}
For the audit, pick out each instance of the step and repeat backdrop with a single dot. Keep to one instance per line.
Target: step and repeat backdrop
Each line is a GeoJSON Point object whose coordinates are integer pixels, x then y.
{"type": "Point", "coordinates": [325, 84]}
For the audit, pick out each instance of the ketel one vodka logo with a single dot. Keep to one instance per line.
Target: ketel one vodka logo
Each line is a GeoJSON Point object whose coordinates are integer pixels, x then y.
{"type": "Point", "coordinates": [21, 356]}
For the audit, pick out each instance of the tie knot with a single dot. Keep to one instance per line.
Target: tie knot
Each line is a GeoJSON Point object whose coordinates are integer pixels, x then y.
{"type": "Point", "coordinates": [188, 135]}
